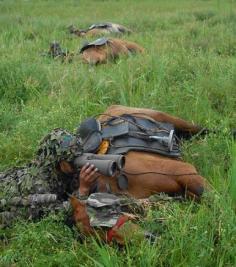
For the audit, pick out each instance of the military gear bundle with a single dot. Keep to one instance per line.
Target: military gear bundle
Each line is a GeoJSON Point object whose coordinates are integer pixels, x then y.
{"type": "Point", "coordinates": [105, 208]}
{"type": "Point", "coordinates": [127, 133]}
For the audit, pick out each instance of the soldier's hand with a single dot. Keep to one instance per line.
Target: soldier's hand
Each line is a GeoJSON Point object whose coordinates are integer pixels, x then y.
{"type": "Point", "coordinates": [88, 177]}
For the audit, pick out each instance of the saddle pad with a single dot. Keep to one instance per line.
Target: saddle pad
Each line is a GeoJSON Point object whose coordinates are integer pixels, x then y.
{"type": "Point", "coordinates": [115, 130]}
{"type": "Point", "coordinates": [98, 42]}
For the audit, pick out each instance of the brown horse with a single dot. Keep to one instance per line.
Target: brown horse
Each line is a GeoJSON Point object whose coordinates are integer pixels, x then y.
{"type": "Point", "coordinates": [99, 29]}
{"type": "Point", "coordinates": [110, 49]}
{"type": "Point", "coordinates": [150, 173]}
{"type": "Point", "coordinates": [100, 51]}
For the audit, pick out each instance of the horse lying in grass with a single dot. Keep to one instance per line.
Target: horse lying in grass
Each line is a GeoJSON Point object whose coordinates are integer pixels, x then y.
{"type": "Point", "coordinates": [106, 49]}
{"type": "Point", "coordinates": [149, 173]}
{"type": "Point", "coordinates": [152, 167]}
{"type": "Point", "coordinates": [99, 29]}
{"type": "Point", "coordinates": [100, 51]}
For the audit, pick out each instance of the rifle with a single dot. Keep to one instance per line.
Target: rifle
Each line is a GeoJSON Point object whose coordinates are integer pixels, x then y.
{"type": "Point", "coordinates": [33, 199]}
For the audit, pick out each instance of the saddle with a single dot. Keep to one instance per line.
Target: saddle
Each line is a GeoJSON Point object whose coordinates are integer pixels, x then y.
{"type": "Point", "coordinates": [99, 42]}
{"type": "Point", "coordinates": [129, 133]}
{"type": "Point", "coordinates": [100, 25]}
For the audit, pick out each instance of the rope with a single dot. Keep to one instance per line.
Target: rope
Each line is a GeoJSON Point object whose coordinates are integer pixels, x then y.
{"type": "Point", "coordinates": [161, 173]}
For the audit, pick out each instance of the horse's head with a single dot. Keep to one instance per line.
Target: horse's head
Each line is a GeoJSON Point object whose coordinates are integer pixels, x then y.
{"type": "Point", "coordinates": [80, 215]}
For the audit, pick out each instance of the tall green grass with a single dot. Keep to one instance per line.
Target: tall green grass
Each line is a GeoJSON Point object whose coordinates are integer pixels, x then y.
{"type": "Point", "coordinates": [188, 69]}
{"type": "Point", "coordinates": [232, 183]}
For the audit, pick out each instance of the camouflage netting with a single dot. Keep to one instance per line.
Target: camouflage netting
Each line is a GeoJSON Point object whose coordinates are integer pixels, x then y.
{"type": "Point", "coordinates": [58, 145]}
{"type": "Point", "coordinates": [34, 189]}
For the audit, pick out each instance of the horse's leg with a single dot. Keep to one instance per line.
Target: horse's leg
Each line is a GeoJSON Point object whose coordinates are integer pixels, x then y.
{"type": "Point", "coordinates": [133, 47]}
{"type": "Point", "coordinates": [183, 128]}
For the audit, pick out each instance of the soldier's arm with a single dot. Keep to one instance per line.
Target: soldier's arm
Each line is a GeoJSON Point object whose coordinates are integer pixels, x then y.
{"type": "Point", "coordinates": [88, 177]}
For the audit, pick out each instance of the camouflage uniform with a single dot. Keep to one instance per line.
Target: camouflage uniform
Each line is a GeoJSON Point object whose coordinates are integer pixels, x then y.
{"type": "Point", "coordinates": [103, 209]}
{"type": "Point", "coordinates": [34, 189]}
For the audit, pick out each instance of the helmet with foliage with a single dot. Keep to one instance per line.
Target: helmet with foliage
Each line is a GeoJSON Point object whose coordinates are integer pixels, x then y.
{"type": "Point", "coordinates": [58, 145]}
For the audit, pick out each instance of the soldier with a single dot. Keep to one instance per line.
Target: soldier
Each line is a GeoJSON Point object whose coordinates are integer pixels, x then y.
{"type": "Point", "coordinates": [40, 187]}
{"type": "Point", "coordinates": [43, 186]}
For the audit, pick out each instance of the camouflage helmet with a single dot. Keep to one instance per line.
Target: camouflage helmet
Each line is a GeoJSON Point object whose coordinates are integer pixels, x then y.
{"type": "Point", "coordinates": [58, 145]}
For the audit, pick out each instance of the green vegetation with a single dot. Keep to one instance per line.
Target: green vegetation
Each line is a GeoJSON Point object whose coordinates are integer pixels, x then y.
{"type": "Point", "coordinates": [189, 70]}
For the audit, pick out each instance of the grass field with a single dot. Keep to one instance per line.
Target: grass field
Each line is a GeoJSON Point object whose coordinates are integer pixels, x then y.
{"type": "Point", "coordinates": [188, 69]}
